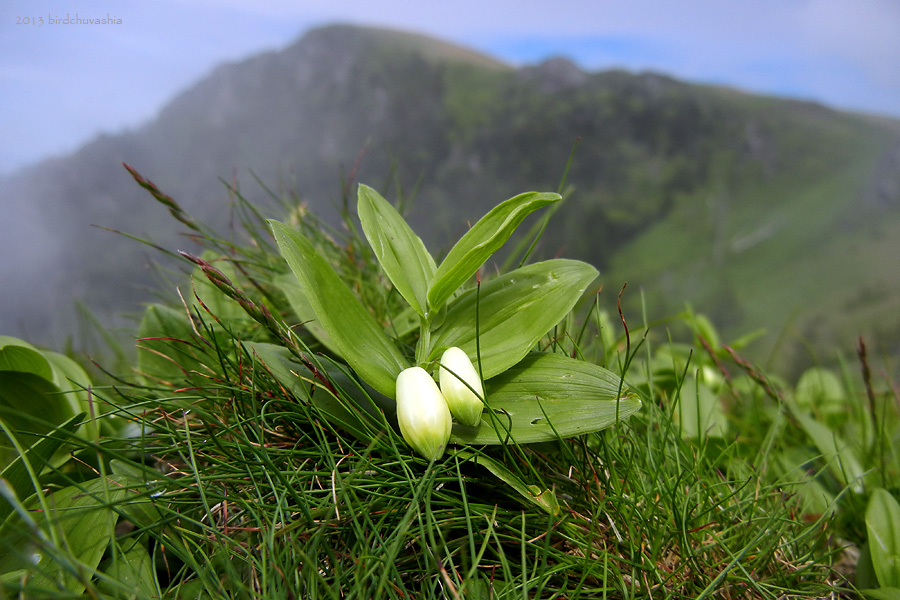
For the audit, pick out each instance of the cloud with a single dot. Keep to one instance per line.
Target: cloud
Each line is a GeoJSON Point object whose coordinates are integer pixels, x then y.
{"type": "Point", "coordinates": [866, 33]}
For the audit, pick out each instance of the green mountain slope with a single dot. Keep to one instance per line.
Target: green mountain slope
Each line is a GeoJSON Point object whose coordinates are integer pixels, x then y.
{"type": "Point", "coordinates": [809, 251]}
{"type": "Point", "coordinates": [757, 211]}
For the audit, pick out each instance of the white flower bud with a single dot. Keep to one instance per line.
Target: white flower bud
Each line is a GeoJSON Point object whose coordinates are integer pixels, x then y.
{"type": "Point", "coordinates": [465, 404]}
{"type": "Point", "coordinates": [422, 413]}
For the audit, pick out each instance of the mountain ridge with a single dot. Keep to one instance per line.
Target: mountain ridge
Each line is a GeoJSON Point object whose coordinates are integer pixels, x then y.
{"type": "Point", "coordinates": [473, 131]}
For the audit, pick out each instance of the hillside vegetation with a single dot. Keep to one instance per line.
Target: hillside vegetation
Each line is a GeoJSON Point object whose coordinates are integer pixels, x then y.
{"type": "Point", "coordinates": [293, 426]}
{"type": "Point", "coordinates": [760, 212]}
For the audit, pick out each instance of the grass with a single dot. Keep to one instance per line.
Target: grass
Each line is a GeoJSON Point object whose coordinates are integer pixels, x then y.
{"type": "Point", "coordinates": [240, 486]}
{"type": "Point", "coordinates": [275, 503]}
{"type": "Point", "coordinates": [300, 511]}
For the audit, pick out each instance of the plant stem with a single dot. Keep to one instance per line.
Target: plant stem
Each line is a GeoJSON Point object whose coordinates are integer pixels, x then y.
{"type": "Point", "coordinates": [423, 348]}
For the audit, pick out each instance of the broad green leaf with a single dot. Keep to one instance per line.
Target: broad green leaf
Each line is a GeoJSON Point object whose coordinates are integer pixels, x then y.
{"type": "Point", "coordinates": [400, 251]}
{"type": "Point", "coordinates": [665, 368]}
{"type": "Point", "coordinates": [354, 331]}
{"type": "Point", "coordinates": [8, 340]}
{"type": "Point", "coordinates": [165, 349]}
{"type": "Point", "coordinates": [30, 406]}
{"type": "Point", "coordinates": [793, 466]}
{"type": "Point", "coordinates": [837, 453]}
{"type": "Point", "coordinates": [355, 415]}
{"type": "Point", "coordinates": [865, 577]}
{"type": "Point", "coordinates": [148, 509]}
{"type": "Point", "coordinates": [546, 397]}
{"type": "Point", "coordinates": [545, 499]}
{"type": "Point", "coordinates": [482, 240]}
{"type": "Point", "coordinates": [84, 524]}
{"type": "Point", "coordinates": [303, 310]}
{"type": "Point", "coordinates": [221, 305]}
{"type": "Point", "coordinates": [71, 379]}
{"type": "Point", "coordinates": [883, 527]}
{"type": "Point", "coordinates": [700, 414]}
{"type": "Point", "coordinates": [132, 470]}
{"type": "Point", "coordinates": [17, 355]}
{"type": "Point", "coordinates": [407, 321]}
{"type": "Point", "coordinates": [131, 573]}
{"type": "Point", "coordinates": [37, 455]}
{"type": "Point", "coordinates": [515, 311]}
{"type": "Point", "coordinates": [820, 391]}
{"type": "Point", "coordinates": [890, 593]}
{"type": "Point", "coordinates": [402, 324]}
{"type": "Point", "coordinates": [16, 533]}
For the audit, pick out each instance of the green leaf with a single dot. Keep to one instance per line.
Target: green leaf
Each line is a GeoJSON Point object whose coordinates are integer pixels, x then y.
{"type": "Point", "coordinates": [400, 251]}
{"type": "Point", "coordinates": [837, 453]}
{"type": "Point", "coordinates": [407, 321]}
{"type": "Point", "coordinates": [700, 414]}
{"type": "Point", "coordinates": [360, 339]}
{"type": "Point", "coordinates": [355, 415]}
{"type": "Point", "coordinates": [220, 304]}
{"type": "Point", "coordinates": [883, 526]}
{"type": "Point", "coordinates": [545, 499]}
{"type": "Point", "coordinates": [865, 577]}
{"type": "Point", "coordinates": [37, 455]}
{"type": "Point", "coordinates": [165, 349]}
{"type": "Point", "coordinates": [70, 378]}
{"type": "Point", "coordinates": [84, 525]}
{"type": "Point", "coordinates": [132, 470]}
{"type": "Point", "coordinates": [890, 593]}
{"type": "Point", "coordinates": [303, 310]}
{"type": "Point", "coordinates": [482, 240]}
{"type": "Point", "coordinates": [820, 391]}
{"type": "Point", "coordinates": [516, 310]}
{"type": "Point", "coordinates": [17, 355]}
{"type": "Point", "coordinates": [31, 406]}
{"type": "Point", "coordinates": [793, 466]}
{"type": "Point", "coordinates": [546, 397]}
{"type": "Point", "coordinates": [75, 384]}
{"type": "Point", "coordinates": [27, 403]}
{"type": "Point", "coordinates": [131, 573]}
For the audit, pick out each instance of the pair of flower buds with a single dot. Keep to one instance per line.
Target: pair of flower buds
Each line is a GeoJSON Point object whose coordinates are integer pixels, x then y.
{"type": "Point", "coordinates": [424, 411]}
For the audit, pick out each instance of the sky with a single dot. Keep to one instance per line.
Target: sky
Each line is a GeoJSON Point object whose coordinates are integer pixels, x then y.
{"type": "Point", "coordinates": [63, 83]}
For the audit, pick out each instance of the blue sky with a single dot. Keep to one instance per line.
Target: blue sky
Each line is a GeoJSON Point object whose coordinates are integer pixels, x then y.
{"type": "Point", "coordinates": [61, 85]}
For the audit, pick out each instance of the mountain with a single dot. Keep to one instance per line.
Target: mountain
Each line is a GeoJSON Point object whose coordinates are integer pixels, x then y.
{"type": "Point", "coordinates": [757, 211]}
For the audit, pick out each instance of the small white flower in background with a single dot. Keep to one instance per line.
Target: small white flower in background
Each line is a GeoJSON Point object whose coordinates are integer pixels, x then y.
{"type": "Point", "coordinates": [422, 413]}
{"type": "Point", "coordinates": [465, 404]}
